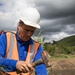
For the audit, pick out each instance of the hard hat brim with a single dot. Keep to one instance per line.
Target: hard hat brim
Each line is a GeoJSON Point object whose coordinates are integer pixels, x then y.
{"type": "Point", "coordinates": [32, 24]}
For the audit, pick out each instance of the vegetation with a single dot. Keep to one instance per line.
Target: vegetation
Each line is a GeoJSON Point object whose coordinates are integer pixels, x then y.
{"type": "Point", "coordinates": [61, 48]}
{"type": "Point", "coordinates": [64, 48]}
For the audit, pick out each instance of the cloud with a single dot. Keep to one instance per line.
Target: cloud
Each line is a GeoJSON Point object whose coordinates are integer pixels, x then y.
{"type": "Point", "coordinates": [56, 8]}
{"type": "Point", "coordinates": [10, 12]}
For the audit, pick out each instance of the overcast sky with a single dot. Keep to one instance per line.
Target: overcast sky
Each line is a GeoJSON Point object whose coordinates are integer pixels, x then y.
{"type": "Point", "coordinates": [57, 16]}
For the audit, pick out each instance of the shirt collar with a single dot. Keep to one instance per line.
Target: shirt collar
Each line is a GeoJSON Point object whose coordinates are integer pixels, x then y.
{"type": "Point", "coordinates": [30, 41]}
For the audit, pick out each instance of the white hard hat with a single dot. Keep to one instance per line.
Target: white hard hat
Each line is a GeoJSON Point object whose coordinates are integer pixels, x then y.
{"type": "Point", "coordinates": [31, 17]}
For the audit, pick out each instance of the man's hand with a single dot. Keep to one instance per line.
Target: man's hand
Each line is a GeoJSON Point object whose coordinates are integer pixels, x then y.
{"type": "Point", "coordinates": [24, 67]}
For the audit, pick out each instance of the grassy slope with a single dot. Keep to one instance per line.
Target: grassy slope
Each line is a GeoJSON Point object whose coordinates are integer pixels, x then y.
{"type": "Point", "coordinates": [68, 41]}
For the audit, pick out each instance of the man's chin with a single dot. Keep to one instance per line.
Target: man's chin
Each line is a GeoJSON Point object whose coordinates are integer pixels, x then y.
{"type": "Point", "coordinates": [25, 40]}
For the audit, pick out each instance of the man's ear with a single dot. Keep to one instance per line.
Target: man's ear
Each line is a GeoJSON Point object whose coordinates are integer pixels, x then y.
{"type": "Point", "coordinates": [18, 27]}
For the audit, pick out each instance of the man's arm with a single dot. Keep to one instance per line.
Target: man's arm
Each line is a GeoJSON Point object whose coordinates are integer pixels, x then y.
{"type": "Point", "coordinates": [8, 64]}
{"type": "Point", "coordinates": [40, 69]}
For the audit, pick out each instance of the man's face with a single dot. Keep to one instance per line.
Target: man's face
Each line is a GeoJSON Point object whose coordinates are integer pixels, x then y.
{"type": "Point", "coordinates": [25, 32]}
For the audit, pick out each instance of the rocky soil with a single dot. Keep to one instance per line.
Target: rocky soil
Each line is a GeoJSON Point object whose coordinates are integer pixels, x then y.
{"type": "Point", "coordinates": [62, 67]}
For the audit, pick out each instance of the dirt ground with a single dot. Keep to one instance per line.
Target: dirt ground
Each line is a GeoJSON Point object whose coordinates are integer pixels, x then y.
{"type": "Point", "coordinates": [62, 67]}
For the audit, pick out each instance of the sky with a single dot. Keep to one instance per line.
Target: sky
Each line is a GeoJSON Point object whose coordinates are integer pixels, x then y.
{"type": "Point", "coordinates": [57, 16]}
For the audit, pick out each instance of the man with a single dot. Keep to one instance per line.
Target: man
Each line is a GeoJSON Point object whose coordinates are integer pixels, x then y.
{"type": "Point", "coordinates": [18, 50]}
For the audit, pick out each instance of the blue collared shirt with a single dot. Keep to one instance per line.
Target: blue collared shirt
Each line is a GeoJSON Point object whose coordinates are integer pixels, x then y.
{"type": "Point", "coordinates": [10, 65]}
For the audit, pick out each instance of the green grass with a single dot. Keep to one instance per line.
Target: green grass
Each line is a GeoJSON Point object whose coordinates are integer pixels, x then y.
{"type": "Point", "coordinates": [62, 56]}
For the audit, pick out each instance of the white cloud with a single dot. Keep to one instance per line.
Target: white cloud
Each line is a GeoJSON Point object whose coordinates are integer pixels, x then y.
{"type": "Point", "coordinates": [59, 36]}
{"type": "Point", "coordinates": [10, 12]}
{"type": "Point", "coordinates": [69, 28]}
{"type": "Point", "coordinates": [56, 36]}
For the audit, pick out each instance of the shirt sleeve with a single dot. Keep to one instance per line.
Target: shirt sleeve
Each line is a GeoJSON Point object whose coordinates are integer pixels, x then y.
{"type": "Point", "coordinates": [8, 64]}
{"type": "Point", "coordinates": [40, 69]}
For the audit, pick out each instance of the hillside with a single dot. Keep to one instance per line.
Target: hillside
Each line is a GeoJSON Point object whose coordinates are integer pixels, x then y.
{"type": "Point", "coordinates": [68, 41]}
{"type": "Point", "coordinates": [63, 46]}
